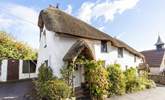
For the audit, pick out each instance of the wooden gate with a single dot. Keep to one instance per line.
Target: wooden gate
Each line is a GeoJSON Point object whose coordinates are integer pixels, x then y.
{"type": "Point", "coordinates": [13, 70]}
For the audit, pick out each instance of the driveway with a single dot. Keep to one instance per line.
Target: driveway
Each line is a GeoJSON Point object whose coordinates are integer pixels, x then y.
{"type": "Point", "coordinates": [150, 94]}
{"type": "Point", "coordinates": [15, 90]}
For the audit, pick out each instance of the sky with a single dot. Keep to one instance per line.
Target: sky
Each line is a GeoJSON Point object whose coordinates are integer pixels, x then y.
{"type": "Point", "coordinates": [136, 22]}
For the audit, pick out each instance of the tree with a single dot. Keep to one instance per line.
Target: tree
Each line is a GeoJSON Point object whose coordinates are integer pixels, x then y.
{"type": "Point", "coordinates": [12, 49]}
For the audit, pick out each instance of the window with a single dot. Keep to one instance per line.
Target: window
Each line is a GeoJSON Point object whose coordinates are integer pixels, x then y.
{"type": "Point", "coordinates": [46, 62]}
{"type": "Point", "coordinates": [44, 34]}
{"type": "Point", "coordinates": [120, 52]}
{"type": "Point", "coordinates": [29, 66]}
{"type": "Point", "coordinates": [103, 46]}
{"type": "Point", "coordinates": [25, 66]}
{"type": "Point", "coordinates": [33, 66]}
{"type": "Point", "coordinates": [135, 58]}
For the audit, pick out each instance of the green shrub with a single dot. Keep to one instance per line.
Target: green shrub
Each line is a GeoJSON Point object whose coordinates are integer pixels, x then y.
{"type": "Point", "coordinates": [45, 73]}
{"type": "Point", "coordinates": [116, 80]}
{"type": "Point", "coordinates": [49, 87]}
{"type": "Point", "coordinates": [58, 89]}
{"type": "Point", "coordinates": [132, 80]}
{"type": "Point", "coordinates": [137, 83]}
{"type": "Point", "coordinates": [145, 81]}
{"type": "Point", "coordinates": [97, 78]}
{"type": "Point", "coordinates": [66, 72]}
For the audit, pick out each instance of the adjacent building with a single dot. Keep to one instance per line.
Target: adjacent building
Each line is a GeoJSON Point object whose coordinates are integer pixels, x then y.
{"type": "Point", "coordinates": [156, 58]}
{"type": "Point", "coordinates": [13, 70]}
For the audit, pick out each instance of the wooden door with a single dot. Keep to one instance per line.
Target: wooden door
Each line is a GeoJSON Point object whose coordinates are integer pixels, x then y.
{"type": "Point", "coordinates": [13, 70]}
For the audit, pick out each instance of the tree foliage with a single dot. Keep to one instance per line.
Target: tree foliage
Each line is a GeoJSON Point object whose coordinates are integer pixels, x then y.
{"type": "Point", "coordinates": [10, 48]}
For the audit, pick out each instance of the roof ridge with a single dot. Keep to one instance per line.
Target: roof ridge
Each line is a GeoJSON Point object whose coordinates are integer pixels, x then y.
{"type": "Point", "coordinates": [60, 22]}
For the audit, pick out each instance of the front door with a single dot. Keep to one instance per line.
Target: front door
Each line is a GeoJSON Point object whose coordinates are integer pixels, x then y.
{"type": "Point", "coordinates": [13, 70]}
{"type": "Point", "coordinates": [78, 76]}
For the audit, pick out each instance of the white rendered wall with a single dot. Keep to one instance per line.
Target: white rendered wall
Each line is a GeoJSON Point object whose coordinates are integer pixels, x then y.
{"type": "Point", "coordinates": [25, 75]}
{"type": "Point", "coordinates": [162, 66]}
{"type": "Point", "coordinates": [56, 49]}
{"type": "Point", "coordinates": [58, 46]}
{"type": "Point", "coordinates": [155, 71]}
{"type": "Point", "coordinates": [3, 76]}
{"type": "Point", "coordinates": [111, 57]}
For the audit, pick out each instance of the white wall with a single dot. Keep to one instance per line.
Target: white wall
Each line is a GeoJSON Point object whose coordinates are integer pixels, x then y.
{"type": "Point", "coordinates": [155, 71]}
{"type": "Point", "coordinates": [111, 57]}
{"type": "Point", "coordinates": [162, 66]}
{"type": "Point", "coordinates": [25, 75]}
{"type": "Point", "coordinates": [58, 46]}
{"type": "Point", "coordinates": [3, 76]}
{"type": "Point", "coordinates": [56, 49]}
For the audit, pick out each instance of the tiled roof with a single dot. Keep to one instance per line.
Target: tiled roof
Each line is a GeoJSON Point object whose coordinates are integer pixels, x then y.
{"type": "Point", "coordinates": [154, 57]}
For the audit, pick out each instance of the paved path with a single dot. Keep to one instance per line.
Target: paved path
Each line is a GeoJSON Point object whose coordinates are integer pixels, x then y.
{"type": "Point", "coordinates": [15, 90]}
{"type": "Point", "coordinates": [151, 94]}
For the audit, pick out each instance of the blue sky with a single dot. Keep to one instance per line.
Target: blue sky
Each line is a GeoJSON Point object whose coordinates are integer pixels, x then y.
{"type": "Point", "coordinates": [136, 22]}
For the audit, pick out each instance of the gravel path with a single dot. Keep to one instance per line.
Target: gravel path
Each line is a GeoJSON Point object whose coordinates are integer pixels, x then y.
{"type": "Point", "coordinates": [15, 90]}
{"type": "Point", "coordinates": [151, 94]}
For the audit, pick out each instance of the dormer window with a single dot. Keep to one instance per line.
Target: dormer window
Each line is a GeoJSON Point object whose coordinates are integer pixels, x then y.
{"type": "Point", "coordinates": [104, 46]}
{"type": "Point", "coordinates": [120, 52]}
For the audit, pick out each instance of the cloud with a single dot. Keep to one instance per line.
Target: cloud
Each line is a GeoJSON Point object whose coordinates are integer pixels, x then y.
{"type": "Point", "coordinates": [106, 9]}
{"type": "Point", "coordinates": [69, 9]}
{"type": "Point", "coordinates": [21, 21]}
{"type": "Point", "coordinates": [85, 12]}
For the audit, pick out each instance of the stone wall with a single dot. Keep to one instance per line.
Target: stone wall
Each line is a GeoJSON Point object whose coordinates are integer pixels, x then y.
{"type": "Point", "coordinates": [158, 78]}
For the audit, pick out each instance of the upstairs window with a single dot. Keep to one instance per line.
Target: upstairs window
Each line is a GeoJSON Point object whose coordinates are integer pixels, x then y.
{"type": "Point", "coordinates": [104, 46]}
{"type": "Point", "coordinates": [120, 52]}
{"type": "Point", "coordinates": [135, 58]}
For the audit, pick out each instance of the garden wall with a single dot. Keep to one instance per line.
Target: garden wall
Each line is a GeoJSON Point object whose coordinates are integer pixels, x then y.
{"type": "Point", "coordinates": [158, 78]}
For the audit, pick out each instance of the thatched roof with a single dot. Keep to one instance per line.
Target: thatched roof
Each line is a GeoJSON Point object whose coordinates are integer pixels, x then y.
{"type": "Point", "coordinates": [76, 49]}
{"type": "Point", "coordinates": [62, 23]}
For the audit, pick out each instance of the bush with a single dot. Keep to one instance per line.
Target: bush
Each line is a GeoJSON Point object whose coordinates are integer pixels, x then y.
{"type": "Point", "coordinates": [49, 87]}
{"type": "Point", "coordinates": [116, 80]}
{"type": "Point", "coordinates": [97, 78]}
{"type": "Point", "coordinates": [45, 73]}
{"type": "Point", "coordinates": [136, 83]}
{"type": "Point", "coordinates": [146, 82]}
{"type": "Point", "coordinates": [132, 80]}
{"type": "Point", "coordinates": [58, 89]}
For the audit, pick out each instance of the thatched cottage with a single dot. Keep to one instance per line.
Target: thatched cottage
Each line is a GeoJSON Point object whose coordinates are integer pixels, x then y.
{"type": "Point", "coordinates": [63, 38]}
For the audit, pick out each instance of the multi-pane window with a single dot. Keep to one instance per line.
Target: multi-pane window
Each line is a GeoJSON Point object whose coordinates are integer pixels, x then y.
{"type": "Point", "coordinates": [120, 52]}
{"type": "Point", "coordinates": [29, 66]}
{"type": "Point", "coordinates": [104, 46]}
